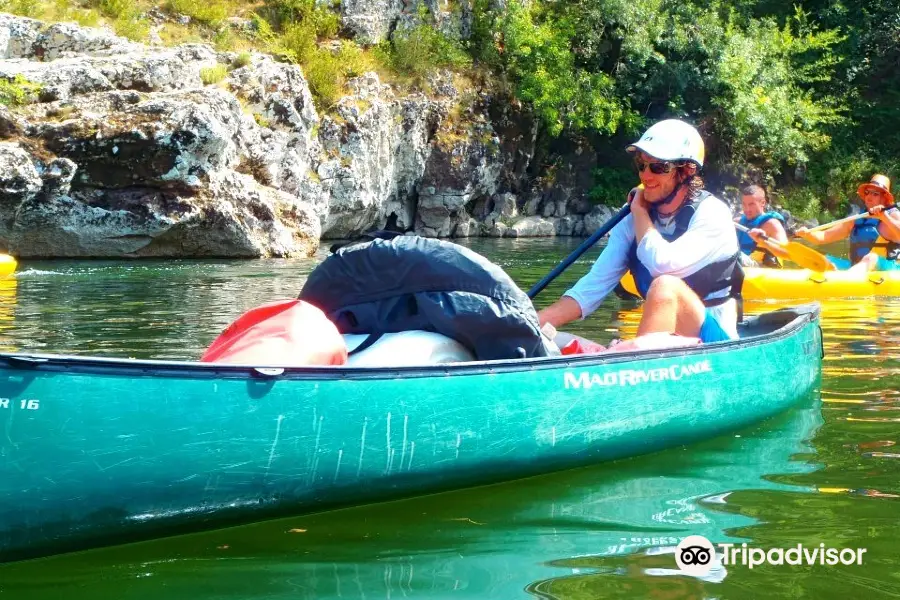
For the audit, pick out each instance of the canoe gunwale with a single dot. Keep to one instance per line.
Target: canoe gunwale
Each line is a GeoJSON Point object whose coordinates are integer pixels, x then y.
{"type": "Point", "coordinates": [805, 313]}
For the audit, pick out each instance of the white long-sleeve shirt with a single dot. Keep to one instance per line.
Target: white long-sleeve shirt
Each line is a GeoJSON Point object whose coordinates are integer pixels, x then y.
{"type": "Point", "coordinates": [710, 237]}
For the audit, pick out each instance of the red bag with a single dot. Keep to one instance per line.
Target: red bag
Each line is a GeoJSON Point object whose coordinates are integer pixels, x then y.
{"type": "Point", "coordinates": [286, 333]}
{"type": "Point", "coordinates": [582, 346]}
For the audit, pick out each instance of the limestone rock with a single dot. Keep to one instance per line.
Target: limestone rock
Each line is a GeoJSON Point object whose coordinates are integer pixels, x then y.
{"type": "Point", "coordinates": [532, 227]}
{"type": "Point", "coordinates": [598, 216]}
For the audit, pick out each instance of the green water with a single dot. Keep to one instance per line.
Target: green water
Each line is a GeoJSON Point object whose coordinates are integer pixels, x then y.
{"type": "Point", "coordinates": [826, 472]}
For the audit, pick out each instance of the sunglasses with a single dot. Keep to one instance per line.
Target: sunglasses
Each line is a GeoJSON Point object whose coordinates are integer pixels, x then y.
{"type": "Point", "coordinates": [657, 168]}
{"type": "Point", "coordinates": [871, 192]}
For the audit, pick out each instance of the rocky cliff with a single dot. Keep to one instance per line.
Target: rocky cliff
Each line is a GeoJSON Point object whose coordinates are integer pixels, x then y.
{"type": "Point", "coordinates": [122, 150]}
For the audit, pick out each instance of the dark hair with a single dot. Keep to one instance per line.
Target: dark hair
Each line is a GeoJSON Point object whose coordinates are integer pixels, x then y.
{"type": "Point", "coordinates": [693, 181]}
{"type": "Point", "coordinates": [749, 190]}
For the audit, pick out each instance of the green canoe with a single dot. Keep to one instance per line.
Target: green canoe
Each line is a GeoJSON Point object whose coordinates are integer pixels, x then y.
{"type": "Point", "coordinates": [100, 451]}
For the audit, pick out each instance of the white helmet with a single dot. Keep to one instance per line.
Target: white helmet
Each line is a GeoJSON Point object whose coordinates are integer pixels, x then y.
{"type": "Point", "coordinates": [671, 140]}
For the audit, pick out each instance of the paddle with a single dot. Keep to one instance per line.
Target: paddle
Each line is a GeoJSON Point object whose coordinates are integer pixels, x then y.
{"type": "Point", "coordinates": [804, 256]}
{"type": "Point", "coordinates": [576, 254]}
{"type": "Point", "coordinates": [861, 215]}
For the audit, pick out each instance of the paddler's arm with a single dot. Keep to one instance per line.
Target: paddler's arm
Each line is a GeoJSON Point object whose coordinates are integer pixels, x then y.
{"type": "Point", "coordinates": [775, 230]}
{"type": "Point", "coordinates": [588, 293]}
{"type": "Point", "coordinates": [565, 310]}
{"type": "Point", "coordinates": [826, 236]}
{"type": "Point", "coordinates": [891, 220]}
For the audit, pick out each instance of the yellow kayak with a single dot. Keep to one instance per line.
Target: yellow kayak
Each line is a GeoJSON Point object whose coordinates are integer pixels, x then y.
{"type": "Point", "coordinates": [786, 284]}
{"type": "Point", "coordinates": [7, 265]}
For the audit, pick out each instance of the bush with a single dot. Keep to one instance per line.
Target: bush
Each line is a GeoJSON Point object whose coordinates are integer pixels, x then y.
{"type": "Point", "coordinates": [419, 50]}
{"type": "Point", "coordinates": [208, 12]}
{"type": "Point", "coordinates": [135, 29]}
{"type": "Point", "coordinates": [805, 205]}
{"type": "Point", "coordinates": [211, 75]}
{"type": "Point", "coordinates": [325, 78]}
{"type": "Point", "coordinates": [613, 183]}
{"type": "Point", "coordinates": [299, 42]}
{"type": "Point", "coordinates": [242, 60]}
{"type": "Point", "coordinates": [283, 13]}
{"type": "Point", "coordinates": [18, 91]}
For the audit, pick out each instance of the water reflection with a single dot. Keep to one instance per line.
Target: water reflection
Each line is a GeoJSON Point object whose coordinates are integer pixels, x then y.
{"type": "Point", "coordinates": [7, 314]}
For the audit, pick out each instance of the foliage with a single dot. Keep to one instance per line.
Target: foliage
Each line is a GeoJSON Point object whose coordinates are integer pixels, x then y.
{"type": "Point", "coordinates": [766, 99]}
{"type": "Point", "coordinates": [803, 95]}
{"type": "Point", "coordinates": [57, 10]}
{"type": "Point", "coordinates": [208, 12]}
{"type": "Point", "coordinates": [18, 91]}
{"type": "Point", "coordinates": [242, 60]}
{"type": "Point", "coordinates": [418, 50]}
{"type": "Point", "coordinates": [283, 13]}
{"type": "Point", "coordinates": [127, 19]}
{"type": "Point", "coordinates": [211, 75]}
{"type": "Point", "coordinates": [612, 185]}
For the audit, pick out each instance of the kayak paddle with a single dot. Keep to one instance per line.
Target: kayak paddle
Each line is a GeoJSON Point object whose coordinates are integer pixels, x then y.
{"type": "Point", "coordinates": [861, 215]}
{"type": "Point", "coordinates": [804, 256]}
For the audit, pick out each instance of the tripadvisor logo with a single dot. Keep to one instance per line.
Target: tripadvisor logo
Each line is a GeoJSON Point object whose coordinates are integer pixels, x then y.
{"type": "Point", "coordinates": [696, 555]}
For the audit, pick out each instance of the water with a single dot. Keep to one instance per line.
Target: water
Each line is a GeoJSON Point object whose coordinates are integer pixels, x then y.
{"type": "Point", "coordinates": [825, 472]}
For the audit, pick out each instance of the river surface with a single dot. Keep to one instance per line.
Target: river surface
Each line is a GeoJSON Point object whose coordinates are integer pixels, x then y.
{"type": "Point", "coordinates": [826, 472]}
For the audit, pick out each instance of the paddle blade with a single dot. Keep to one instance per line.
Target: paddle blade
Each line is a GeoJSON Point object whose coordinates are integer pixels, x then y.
{"type": "Point", "coordinates": [808, 258]}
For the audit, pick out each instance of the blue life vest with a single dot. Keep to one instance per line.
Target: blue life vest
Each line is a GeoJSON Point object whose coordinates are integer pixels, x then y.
{"type": "Point", "coordinates": [748, 246]}
{"type": "Point", "coordinates": [721, 275]}
{"type": "Point", "coordinates": [865, 238]}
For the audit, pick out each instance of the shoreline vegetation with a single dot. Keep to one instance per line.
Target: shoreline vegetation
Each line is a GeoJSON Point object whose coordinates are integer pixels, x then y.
{"type": "Point", "coordinates": [799, 97]}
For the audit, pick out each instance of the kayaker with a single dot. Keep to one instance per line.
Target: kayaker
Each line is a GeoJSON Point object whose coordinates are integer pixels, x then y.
{"type": "Point", "coordinates": [678, 242]}
{"type": "Point", "coordinates": [761, 222]}
{"type": "Point", "coordinates": [874, 240]}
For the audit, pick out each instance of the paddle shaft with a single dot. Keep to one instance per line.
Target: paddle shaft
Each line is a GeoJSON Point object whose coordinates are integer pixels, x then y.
{"type": "Point", "coordinates": [840, 221]}
{"type": "Point", "coordinates": [576, 254]}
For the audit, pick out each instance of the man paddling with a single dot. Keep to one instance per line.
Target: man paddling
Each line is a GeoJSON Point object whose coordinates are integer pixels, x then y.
{"type": "Point", "coordinates": [875, 240]}
{"type": "Point", "coordinates": [761, 222]}
{"type": "Point", "coordinates": [678, 242]}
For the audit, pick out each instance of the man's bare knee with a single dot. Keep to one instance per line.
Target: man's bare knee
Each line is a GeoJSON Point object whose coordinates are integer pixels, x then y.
{"type": "Point", "coordinates": [665, 289]}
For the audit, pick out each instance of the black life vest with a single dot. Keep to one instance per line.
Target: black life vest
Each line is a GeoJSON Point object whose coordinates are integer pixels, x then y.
{"type": "Point", "coordinates": [725, 274]}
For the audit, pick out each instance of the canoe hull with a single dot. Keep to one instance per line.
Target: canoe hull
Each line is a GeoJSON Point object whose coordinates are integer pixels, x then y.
{"type": "Point", "coordinates": [98, 452]}
{"type": "Point", "coordinates": [789, 284]}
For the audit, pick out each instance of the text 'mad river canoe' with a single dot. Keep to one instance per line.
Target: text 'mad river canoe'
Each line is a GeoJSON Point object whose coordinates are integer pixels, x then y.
{"type": "Point", "coordinates": [99, 451]}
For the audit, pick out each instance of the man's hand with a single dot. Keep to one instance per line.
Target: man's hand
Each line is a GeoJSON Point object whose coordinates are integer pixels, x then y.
{"type": "Point", "coordinates": [757, 234]}
{"type": "Point", "coordinates": [638, 205]}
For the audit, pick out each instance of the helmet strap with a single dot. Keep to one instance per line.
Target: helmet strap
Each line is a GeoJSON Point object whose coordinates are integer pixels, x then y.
{"type": "Point", "coordinates": [671, 196]}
